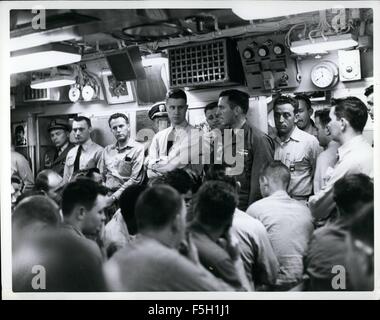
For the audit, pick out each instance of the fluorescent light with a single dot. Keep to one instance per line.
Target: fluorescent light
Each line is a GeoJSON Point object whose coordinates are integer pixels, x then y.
{"type": "Point", "coordinates": [58, 81]}
{"type": "Point", "coordinates": [322, 46]}
{"type": "Point", "coordinates": [42, 57]}
{"type": "Point", "coordinates": [254, 10]}
{"type": "Point", "coordinates": [154, 59]}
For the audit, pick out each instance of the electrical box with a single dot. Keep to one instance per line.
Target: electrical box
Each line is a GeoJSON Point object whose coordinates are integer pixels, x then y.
{"type": "Point", "coordinates": [267, 63]}
{"type": "Point", "coordinates": [203, 64]}
{"type": "Point", "coordinates": [349, 65]}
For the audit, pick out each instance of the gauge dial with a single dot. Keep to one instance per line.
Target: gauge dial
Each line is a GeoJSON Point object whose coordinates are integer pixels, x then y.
{"type": "Point", "coordinates": [263, 51]}
{"type": "Point", "coordinates": [324, 74]}
{"type": "Point", "coordinates": [248, 54]}
{"type": "Point", "coordinates": [278, 49]}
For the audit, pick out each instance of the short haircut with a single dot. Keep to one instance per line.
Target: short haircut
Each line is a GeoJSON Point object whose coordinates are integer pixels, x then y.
{"type": "Point", "coordinates": [180, 180]}
{"type": "Point", "coordinates": [277, 172]}
{"type": "Point", "coordinates": [82, 118]}
{"type": "Point", "coordinates": [215, 204]}
{"type": "Point", "coordinates": [353, 110]}
{"type": "Point", "coordinates": [127, 203]}
{"type": "Point", "coordinates": [237, 98]}
{"type": "Point", "coordinates": [36, 208]}
{"type": "Point", "coordinates": [323, 115]}
{"type": "Point", "coordinates": [282, 99]}
{"type": "Point", "coordinates": [83, 191]}
{"type": "Point", "coordinates": [117, 115]}
{"type": "Point", "coordinates": [157, 207]}
{"type": "Point", "coordinates": [71, 265]}
{"type": "Point", "coordinates": [361, 226]}
{"type": "Point", "coordinates": [19, 129]}
{"type": "Point", "coordinates": [217, 172]}
{"type": "Point", "coordinates": [211, 106]}
{"type": "Point", "coordinates": [176, 94]}
{"type": "Point", "coordinates": [368, 90]}
{"type": "Point", "coordinates": [305, 98]}
{"type": "Point", "coordinates": [352, 190]}
{"type": "Point", "coordinates": [42, 180]}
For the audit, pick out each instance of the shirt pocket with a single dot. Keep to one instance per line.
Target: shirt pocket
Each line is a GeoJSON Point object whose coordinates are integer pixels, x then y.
{"type": "Point", "coordinates": [125, 168]}
{"type": "Point", "coordinates": [299, 166]}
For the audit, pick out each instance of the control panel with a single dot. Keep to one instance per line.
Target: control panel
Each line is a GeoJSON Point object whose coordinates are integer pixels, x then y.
{"type": "Point", "coordinates": [267, 63]}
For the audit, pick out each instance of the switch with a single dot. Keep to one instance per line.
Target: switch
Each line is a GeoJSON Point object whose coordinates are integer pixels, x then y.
{"type": "Point", "coordinates": [349, 65]}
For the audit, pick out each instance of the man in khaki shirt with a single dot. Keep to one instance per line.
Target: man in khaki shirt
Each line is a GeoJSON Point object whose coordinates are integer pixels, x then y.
{"type": "Point", "coordinates": [295, 148]}
{"type": "Point", "coordinates": [121, 163]}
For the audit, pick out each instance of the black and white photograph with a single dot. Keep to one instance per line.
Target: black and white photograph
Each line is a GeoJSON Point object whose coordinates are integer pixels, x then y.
{"type": "Point", "coordinates": [193, 150]}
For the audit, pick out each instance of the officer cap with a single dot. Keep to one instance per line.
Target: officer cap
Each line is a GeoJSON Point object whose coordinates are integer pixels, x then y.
{"type": "Point", "coordinates": [59, 124]}
{"type": "Point", "coordinates": [158, 110]}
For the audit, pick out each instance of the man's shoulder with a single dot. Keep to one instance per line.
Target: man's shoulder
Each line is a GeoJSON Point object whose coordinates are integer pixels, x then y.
{"type": "Point", "coordinates": [137, 145]}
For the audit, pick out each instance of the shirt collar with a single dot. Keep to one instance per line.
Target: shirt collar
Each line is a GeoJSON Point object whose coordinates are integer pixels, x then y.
{"type": "Point", "coordinates": [64, 147]}
{"type": "Point", "coordinates": [184, 125]}
{"type": "Point", "coordinates": [279, 194]}
{"type": "Point", "coordinates": [129, 145]}
{"type": "Point", "coordinates": [296, 135]}
{"type": "Point", "coordinates": [87, 144]}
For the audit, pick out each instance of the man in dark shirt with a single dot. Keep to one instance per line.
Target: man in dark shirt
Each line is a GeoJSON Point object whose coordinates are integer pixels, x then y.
{"type": "Point", "coordinates": [250, 148]}
{"type": "Point", "coordinates": [54, 159]}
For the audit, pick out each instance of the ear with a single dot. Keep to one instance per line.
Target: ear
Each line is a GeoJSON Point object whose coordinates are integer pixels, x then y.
{"type": "Point", "coordinates": [343, 124]}
{"type": "Point", "coordinates": [80, 213]}
{"type": "Point", "coordinates": [311, 111]}
{"type": "Point", "coordinates": [90, 129]}
{"type": "Point", "coordinates": [176, 223]}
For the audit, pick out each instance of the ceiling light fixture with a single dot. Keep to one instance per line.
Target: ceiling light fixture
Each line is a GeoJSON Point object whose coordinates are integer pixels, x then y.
{"type": "Point", "coordinates": [255, 10]}
{"type": "Point", "coordinates": [323, 45]}
{"type": "Point", "coordinates": [58, 81]}
{"type": "Point", "coordinates": [42, 57]}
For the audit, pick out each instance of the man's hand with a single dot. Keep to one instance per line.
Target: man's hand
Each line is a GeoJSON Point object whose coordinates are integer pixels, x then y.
{"type": "Point", "coordinates": [110, 200]}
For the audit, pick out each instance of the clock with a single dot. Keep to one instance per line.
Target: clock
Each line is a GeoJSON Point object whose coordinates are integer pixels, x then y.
{"type": "Point", "coordinates": [324, 74]}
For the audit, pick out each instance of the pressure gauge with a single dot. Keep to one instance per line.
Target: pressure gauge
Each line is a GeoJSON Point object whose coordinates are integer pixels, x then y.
{"type": "Point", "coordinates": [248, 54]}
{"type": "Point", "coordinates": [278, 49]}
{"type": "Point", "coordinates": [324, 74]}
{"type": "Point", "coordinates": [74, 94]}
{"type": "Point", "coordinates": [263, 51]}
{"type": "Point", "coordinates": [88, 93]}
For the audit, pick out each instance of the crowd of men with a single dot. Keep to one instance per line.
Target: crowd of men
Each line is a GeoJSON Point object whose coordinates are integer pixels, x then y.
{"type": "Point", "coordinates": [294, 211]}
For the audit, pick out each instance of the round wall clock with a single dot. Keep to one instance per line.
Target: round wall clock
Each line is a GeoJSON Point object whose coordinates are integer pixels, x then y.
{"type": "Point", "coordinates": [324, 74]}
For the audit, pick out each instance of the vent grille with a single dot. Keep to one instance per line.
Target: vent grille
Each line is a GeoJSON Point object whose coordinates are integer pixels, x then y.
{"type": "Point", "coordinates": [208, 63]}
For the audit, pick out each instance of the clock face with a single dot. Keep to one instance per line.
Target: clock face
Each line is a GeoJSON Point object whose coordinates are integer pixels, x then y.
{"type": "Point", "coordinates": [324, 74]}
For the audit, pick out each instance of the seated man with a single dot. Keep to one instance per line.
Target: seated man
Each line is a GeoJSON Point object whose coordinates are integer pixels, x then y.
{"type": "Point", "coordinates": [360, 255]}
{"type": "Point", "coordinates": [215, 205]}
{"type": "Point", "coordinates": [328, 245]}
{"type": "Point", "coordinates": [288, 222]}
{"type": "Point", "coordinates": [53, 261]}
{"type": "Point", "coordinates": [83, 205]}
{"type": "Point", "coordinates": [32, 215]}
{"type": "Point", "coordinates": [152, 262]}
{"type": "Point", "coordinates": [260, 262]}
